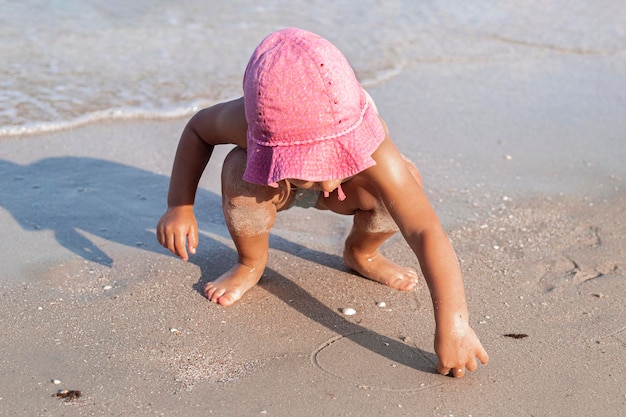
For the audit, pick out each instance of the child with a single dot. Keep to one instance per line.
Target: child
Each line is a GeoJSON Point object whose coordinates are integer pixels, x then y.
{"type": "Point", "coordinates": [307, 134]}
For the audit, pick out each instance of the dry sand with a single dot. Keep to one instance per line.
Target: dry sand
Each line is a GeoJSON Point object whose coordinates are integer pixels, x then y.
{"type": "Point", "coordinates": [89, 299]}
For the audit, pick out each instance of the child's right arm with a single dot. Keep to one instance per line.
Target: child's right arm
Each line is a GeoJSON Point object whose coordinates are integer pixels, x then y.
{"type": "Point", "coordinates": [223, 123]}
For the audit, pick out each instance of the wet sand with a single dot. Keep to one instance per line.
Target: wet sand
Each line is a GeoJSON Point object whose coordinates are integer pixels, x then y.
{"type": "Point", "coordinates": [525, 169]}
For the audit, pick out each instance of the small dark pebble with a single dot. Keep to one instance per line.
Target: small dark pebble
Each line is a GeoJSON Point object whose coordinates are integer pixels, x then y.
{"type": "Point", "coordinates": [516, 335]}
{"type": "Point", "coordinates": [68, 395]}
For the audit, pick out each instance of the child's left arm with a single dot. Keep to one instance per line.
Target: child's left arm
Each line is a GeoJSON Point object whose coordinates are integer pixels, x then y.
{"type": "Point", "coordinates": [456, 343]}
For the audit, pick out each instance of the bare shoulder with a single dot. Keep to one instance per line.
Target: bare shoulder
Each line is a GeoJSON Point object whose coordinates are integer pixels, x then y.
{"type": "Point", "coordinates": [223, 123]}
{"type": "Point", "coordinates": [391, 166]}
{"type": "Point", "coordinates": [399, 185]}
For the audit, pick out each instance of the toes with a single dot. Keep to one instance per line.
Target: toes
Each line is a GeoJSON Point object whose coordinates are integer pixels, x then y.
{"type": "Point", "coordinates": [404, 281]}
{"type": "Point", "coordinates": [213, 293]}
{"type": "Point", "coordinates": [226, 300]}
{"type": "Point", "coordinates": [208, 290]}
{"type": "Point", "coordinates": [215, 297]}
{"type": "Point", "coordinates": [220, 295]}
{"type": "Point", "coordinates": [408, 286]}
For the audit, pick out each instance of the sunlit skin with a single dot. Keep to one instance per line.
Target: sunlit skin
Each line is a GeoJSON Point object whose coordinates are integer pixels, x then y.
{"type": "Point", "coordinates": [382, 199]}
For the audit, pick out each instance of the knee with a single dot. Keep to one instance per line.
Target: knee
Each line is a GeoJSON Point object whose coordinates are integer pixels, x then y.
{"type": "Point", "coordinates": [232, 173]}
{"type": "Point", "coordinates": [248, 208]}
{"type": "Point", "coordinates": [247, 218]}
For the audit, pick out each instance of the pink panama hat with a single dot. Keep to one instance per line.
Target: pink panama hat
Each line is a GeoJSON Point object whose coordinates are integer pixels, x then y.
{"type": "Point", "coordinates": [308, 116]}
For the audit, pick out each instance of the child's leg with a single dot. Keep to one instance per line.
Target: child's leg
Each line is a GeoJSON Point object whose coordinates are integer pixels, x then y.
{"type": "Point", "coordinates": [372, 226]}
{"type": "Point", "coordinates": [250, 212]}
{"type": "Point", "coordinates": [371, 229]}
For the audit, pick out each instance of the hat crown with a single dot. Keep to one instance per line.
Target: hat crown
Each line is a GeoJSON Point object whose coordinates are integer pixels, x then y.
{"type": "Point", "coordinates": [308, 116]}
{"type": "Point", "coordinates": [299, 88]}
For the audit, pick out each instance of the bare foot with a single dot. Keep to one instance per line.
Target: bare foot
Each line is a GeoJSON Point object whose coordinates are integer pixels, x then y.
{"type": "Point", "coordinates": [380, 269]}
{"type": "Point", "coordinates": [232, 285]}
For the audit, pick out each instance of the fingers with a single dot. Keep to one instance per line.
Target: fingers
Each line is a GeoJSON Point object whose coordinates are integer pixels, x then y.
{"type": "Point", "coordinates": [177, 230]}
{"type": "Point", "coordinates": [471, 365]}
{"type": "Point", "coordinates": [459, 371]}
{"type": "Point", "coordinates": [193, 239]}
{"type": "Point", "coordinates": [176, 241]}
{"type": "Point", "coordinates": [483, 356]}
{"type": "Point", "coordinates": [180, 246]}
{"type": "Point", "coordinates": [442, 369]}
{"type": "Point", "coordinates": [160, 234]}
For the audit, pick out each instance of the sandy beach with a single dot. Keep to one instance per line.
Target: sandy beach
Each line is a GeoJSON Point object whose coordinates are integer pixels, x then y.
{"type": "Point", "coordinates": [523, 158]}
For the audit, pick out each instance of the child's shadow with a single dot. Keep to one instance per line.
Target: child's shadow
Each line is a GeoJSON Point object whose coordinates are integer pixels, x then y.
{"type": "Point", "coordinates": [76, 197]}
{"type": "Point", "coordinates": [306, 304]}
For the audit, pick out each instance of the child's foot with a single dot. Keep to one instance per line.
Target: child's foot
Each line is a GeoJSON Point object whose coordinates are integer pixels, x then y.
{"type": "Point", "coordinates": [232, 285]}
{"type": "Point", "coordinates": [380, 269]}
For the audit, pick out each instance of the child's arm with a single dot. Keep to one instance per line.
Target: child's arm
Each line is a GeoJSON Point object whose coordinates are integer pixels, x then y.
{"type": "Point", "coordinates": [456, 344]}
{"type": "Point", "coordinates": [223, 123]}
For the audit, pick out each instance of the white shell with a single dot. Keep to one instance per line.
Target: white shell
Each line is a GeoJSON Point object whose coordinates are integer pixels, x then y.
{"type": "Point", "coordinates": [381, 304]}
{"type": "Point", "coordinates": [348, 311]}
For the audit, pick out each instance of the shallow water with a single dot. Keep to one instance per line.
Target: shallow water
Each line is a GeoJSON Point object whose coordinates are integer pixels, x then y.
{"type": "Point", "coordinates": [69, 62]}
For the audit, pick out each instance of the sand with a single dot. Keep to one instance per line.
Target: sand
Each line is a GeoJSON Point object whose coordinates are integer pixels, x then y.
{"type": "Point", "coordinates": [529, 183]}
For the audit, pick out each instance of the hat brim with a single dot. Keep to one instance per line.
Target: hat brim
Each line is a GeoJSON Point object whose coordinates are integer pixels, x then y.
{"type": "Point", "coordinates": [331, 159]}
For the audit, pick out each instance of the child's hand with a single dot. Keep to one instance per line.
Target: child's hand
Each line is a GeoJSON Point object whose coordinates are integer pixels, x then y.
{"type": "Point", "coordinates": [458, 349]}
{"type": "Point", "coordinates": [177, 229]}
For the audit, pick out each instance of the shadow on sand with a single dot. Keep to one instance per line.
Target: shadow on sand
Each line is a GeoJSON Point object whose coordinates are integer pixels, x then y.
{"type": "Point", "coordinates": [76, 197]}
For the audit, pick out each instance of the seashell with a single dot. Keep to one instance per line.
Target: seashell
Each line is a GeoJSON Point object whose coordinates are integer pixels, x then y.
{"type": "Point", "coordinates": [348, 311]}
